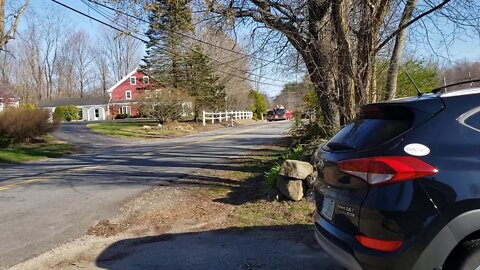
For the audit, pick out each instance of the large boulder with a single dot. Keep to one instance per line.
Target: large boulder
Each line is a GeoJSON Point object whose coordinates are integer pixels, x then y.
{"type": "Point", "coordinates": [296, 169]}
{"type": "Point", "coordinates": [291, 188]}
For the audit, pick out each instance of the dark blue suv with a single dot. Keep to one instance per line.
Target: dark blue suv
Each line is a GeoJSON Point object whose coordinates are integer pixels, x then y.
{"type": "Point", "coordinates": [399, 187]}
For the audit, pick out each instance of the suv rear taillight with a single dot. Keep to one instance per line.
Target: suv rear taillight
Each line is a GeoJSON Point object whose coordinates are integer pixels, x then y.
{"type": "Point", "coordinates": [386, 170]}
{"type": "Point", "coordinates": [378, 244]}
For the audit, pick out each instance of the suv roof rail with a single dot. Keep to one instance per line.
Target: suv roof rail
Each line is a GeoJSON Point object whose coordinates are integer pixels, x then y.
{"type": "Point", "coordinates": [436, 90]}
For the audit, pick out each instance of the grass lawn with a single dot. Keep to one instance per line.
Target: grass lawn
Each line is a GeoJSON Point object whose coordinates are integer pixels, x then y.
{"type": "Point", "coordinates": [135, 130]}
{"type": "Point", "coordinates": [45, 147]}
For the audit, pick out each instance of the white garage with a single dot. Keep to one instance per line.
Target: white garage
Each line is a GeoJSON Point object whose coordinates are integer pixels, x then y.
{"type": "Point", "coordinates": [89, 109]}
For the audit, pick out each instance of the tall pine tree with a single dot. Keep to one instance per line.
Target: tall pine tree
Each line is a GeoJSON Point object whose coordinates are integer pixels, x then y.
{"type": "Point", "coordinates": [203, 84]}
{"type": "Point", "coordinates": [165, 50]}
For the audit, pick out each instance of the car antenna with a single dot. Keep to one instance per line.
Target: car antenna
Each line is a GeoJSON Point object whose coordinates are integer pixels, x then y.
{"type": "Point", "coordinates": [420, 93]}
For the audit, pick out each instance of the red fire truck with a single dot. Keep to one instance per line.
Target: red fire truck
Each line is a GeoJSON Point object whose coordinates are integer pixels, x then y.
{"type": "Point", "coordinates": [279, 113]}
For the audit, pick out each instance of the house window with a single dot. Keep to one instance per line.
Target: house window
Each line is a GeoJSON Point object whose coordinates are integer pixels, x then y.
{"type": "Point", "coordinates": [128, 94]}
{"type": "Point", "coordinates": [146, 80]}
{"type": "Point", "coordinates": [148, 93]}
{"type": "Point", "coordinates": [80, 114]}
{"type": "Point", "coordinates": [97, 113]}
{"type": "Point", "coordinates": [126, 110]}
{"type": "Point", "coordinates": [133, 80]}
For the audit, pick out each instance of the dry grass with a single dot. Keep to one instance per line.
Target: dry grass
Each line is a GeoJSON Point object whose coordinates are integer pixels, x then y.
{"type": "Point", "coordinates": [134, 130]}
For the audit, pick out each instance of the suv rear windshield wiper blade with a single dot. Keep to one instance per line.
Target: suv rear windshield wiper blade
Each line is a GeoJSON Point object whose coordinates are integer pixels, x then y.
{"type": "Point", "coordinates": [340, 146]}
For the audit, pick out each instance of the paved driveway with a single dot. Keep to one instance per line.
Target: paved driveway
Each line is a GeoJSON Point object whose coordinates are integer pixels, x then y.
{"type": "Point", "coordinates": [48, 203]}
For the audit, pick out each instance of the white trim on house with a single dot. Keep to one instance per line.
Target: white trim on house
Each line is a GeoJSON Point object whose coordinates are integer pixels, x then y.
{"type": "Point", "coordinates": [5, 105]}
{"type": "Point", "coordinates": [128, 94]}
{"type": "Point", "coordinates": [122, 80]}
{"type": "Point", "coordinates": [102, 115]}
{"type": "Point", "coordinates": [123, 103]}
{"type": "Point", "coordinates": [133, 80]}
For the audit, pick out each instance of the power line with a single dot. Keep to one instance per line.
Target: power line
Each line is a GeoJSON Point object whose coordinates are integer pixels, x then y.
{"type": "Point", "coordinates": [191, 37]}
{"type": "Point", "coordinates": [189, 48]}
{"type": "Point", "coordinates": [129, 34]}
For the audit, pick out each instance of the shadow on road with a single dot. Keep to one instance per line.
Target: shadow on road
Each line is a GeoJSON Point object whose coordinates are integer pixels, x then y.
{"type": "Point", "coordinates": [273, 247]}
{"type": "Point", "coordinates": [151, 165]}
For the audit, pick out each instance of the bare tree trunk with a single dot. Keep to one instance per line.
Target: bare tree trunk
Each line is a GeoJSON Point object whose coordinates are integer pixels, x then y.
{"type": "Point", "coordinates": [2, 22]}
{"type": "Point", "coordinates": [391, 86]}
{"type": "Point", "coordinates": [7, 34]}
{"type": "Point", "coordinates": [345, 58]}
{"type": "Point", "coordinates": [374, 94]}
{"type": "Point", "coordinates": [330, 112]}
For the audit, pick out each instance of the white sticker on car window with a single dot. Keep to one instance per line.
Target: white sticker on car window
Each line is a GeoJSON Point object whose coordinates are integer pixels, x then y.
{"type": "Point", "coordinates": [417, 149]}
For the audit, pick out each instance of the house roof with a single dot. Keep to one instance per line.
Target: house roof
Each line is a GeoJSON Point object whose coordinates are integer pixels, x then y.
{"type": "Point", "coordinates": [74, 101]}
{"type": "Point", "coordinates": [122, 80]}
{"type": "Point", "coordinates": [7, 93]}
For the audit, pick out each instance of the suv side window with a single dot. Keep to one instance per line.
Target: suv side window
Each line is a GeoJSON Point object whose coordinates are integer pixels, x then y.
{"type": "Point", "coordinates": [471, 119]}
{"type": "Point", "coordinates": [474, 121]}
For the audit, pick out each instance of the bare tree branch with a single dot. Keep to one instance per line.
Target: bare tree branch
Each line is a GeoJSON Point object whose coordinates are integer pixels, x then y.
{"type": "Point", "coordinates": [426, 13]}
{"type": "Point", "coordinates": [6, 35]}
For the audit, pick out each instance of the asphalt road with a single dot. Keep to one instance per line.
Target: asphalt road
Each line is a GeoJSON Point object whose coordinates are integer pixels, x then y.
{"type": "Point", "coordinates": [44, 204]}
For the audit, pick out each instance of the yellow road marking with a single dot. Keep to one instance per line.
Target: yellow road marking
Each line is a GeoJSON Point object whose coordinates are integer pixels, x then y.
{"type": "Point", "coordinates": [43, 179]}
{"type": "Point", "coordinates": [86, 168]}
{"type": "Point", "coordinates": [25, 182]}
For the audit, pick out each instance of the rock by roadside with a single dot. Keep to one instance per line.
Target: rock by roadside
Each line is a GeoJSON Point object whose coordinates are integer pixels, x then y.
{"type": "Point", "coordinates": [290, 187]}
{"type": "Point", "coordinates": [296, 169]}
{"type": "Point", "coordinates": [295, 178]}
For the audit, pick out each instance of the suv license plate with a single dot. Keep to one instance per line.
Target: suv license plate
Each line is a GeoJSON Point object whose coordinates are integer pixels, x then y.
{"type": "Point", "coordinates": [327, 208]}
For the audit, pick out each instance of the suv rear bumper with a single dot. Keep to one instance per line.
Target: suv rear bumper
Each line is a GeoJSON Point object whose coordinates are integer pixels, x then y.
{"type": "Point", "coordinates": [347, 252]}
{"type": "Point", "coordinates": [342, 257]}
{"type": "Point", "coordinates": [331, 244]}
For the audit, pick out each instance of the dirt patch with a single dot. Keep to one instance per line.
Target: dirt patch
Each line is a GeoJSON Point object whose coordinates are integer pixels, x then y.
{"type": "Point", "coordinates": [165, 209]}
{"type": "Point", "coordinates": [105, 228]}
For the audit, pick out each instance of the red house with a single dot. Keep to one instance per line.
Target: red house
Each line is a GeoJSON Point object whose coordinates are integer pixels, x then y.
{"type": "Point", "coordinates": [124, 94]}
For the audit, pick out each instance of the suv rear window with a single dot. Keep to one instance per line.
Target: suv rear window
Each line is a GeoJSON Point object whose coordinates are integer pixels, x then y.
{"type": "Point", "coordinates": [374, 126]}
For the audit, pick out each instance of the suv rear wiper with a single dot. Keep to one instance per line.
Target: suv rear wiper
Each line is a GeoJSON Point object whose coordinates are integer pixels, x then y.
{"type": "Point", "coordinates": [436, 90]}
{"type": "Point", "coordinates": [339, 146]}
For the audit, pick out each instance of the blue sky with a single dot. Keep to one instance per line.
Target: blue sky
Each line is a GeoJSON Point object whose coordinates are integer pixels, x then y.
{"type": "Point", "coordinates": [91, 26]}
{"type": "Point", "coordinates": [463, 47]}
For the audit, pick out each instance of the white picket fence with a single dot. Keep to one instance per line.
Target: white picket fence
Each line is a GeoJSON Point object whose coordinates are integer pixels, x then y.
{"type": "Point", "coordinates": [225, 116]}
